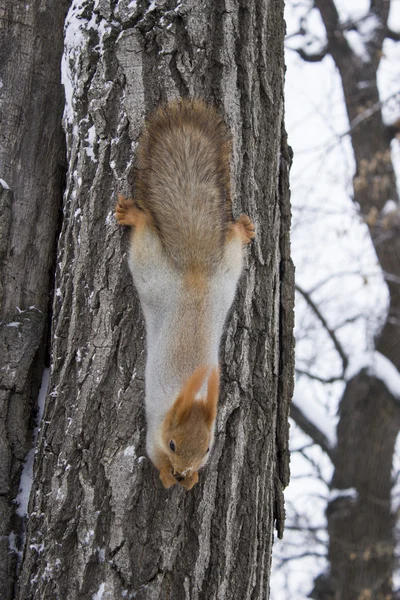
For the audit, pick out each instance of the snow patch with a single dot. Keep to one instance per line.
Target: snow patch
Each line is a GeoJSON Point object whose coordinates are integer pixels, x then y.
{"type": "Point", "coordinates": [395, 497]}
{"type": "Point", "coordinates": [369, 26]}
{"type": "Point", "coordinates": [76, 26]}
{"type": "Point", "coordinates": [12, 544]}
{"type": "Point", "coordinates": [99, 594]}
{"type": "Point", "coordinates": [13, 324]}
{"type": "Point", "coordinates": [384, 369]}
{"type": "Point", "coordinates": [380, 367]}
{"type": "Point", "coordinates": [91, 136]}
{"type": "Point", "coordinates": [357, 44]}
{"type": "Point", "coordinates": [4, 185]}
{"type": "Point", "coordinates": [347, 493]}
{"type": "Point", "coordinates": [37, 547]}
{"type": "Point", "coordinates": [54, 393]}
{"type": "Point", "coordinates": [130, 451]}
{"type": "Point", "coordinates": [366, 31]}
{"type": "Point", "coordinates": [363, 85]}
{"type": "Point", "coordinates": [73, 42]}
{"type": "Point", "coordinates": [102, 554]}
{"type": "Point", "coordinates": [89, 534]}
{"type": "Point", "coordinates": [103, 27]}
{"type": "Point", "coordinates": [25, 483]}
{"type": "Point", "coordinates": [390, 207]}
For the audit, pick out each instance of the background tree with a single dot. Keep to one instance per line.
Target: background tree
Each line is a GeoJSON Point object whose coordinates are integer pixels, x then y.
{"type": "Point", "coordinates": [100, 524]}
{"type": "Point", "coordinates": [32, 171]}
{"type": "Point", "coordinates": [364, 373]}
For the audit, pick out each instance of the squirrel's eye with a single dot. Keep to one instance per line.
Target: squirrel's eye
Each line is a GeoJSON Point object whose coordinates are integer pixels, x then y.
{"type": "Point", "coordinates": [172, 445]}
{"type": "Point", "coordinates": [208, 449]}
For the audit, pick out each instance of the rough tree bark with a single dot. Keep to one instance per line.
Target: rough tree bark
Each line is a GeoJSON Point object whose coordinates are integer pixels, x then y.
{"type": "Point", "coordinates": [32, 167]}
{"type": "Point", "coordinates": [99, 519]}
{"type": "Point", "coordinates": [361, 531]}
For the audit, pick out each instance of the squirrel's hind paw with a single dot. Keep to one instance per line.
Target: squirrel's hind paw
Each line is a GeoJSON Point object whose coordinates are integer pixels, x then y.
{"type": "Point", "coordinates": [127, 213]}
{"type": "Point", "coordinates": [244, 227]}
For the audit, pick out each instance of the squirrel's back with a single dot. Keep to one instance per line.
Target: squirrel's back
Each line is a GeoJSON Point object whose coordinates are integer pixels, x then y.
{"type": "Point", "coordinates": [183, 181]}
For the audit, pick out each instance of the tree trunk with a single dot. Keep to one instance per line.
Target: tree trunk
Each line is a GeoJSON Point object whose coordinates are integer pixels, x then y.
{"type": "Point", "coordinates": [32, 168]}
{"type": "Point", "coordinates": [100, 521]}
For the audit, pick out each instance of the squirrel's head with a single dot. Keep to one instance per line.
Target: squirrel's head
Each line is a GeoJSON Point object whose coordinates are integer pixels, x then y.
{"type": "Point", "coordinates": [188, 428]}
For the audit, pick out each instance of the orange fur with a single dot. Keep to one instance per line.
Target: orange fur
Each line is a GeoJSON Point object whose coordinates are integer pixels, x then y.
{"type": "Point", "coordinates": [184, 403]}
{"type": "Point", "coordinates": [195, 279]}
{"type": "Point", "coordinates": [127, 213]}
{"type": "Point", "coordinates": [244, 228]}
{"type": "Point", "coordinates": [189, 425]}
{"type": "Point", "coordinates": [210, 403]}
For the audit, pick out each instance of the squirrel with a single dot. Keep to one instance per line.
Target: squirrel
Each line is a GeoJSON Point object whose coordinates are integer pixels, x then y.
{"type": "Point", "coordinates": [185, 258]}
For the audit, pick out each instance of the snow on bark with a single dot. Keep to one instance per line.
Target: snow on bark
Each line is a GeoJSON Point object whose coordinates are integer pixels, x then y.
{"type": "Point", "coordinates": [22, 498]}
{"type": "Point", "coordinates": [378, 366]}
{"type": "Point", "coordinates": [4, 185]}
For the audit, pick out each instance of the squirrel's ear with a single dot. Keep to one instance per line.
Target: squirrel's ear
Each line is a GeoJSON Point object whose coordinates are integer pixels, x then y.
{"type": "Point", "coordinates": [210, 404]}
{"type": "Point", "coordinates": [180, 409]}
{"type": "Point", "coordinates": [194, 382]}
{"type": "Point", "coordinates": [184, 401]}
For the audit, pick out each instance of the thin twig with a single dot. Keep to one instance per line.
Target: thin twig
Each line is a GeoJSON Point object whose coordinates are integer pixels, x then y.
{"type": "Point", "coordinates": [318, 378]}
{"type": "Point", "coordinates": [331, 333]}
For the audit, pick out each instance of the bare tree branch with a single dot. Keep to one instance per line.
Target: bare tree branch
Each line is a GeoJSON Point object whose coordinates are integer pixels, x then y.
{"type": "Point", "coordinates": [316, 57]}
{"type": "Point", "coordinates": [334, 29]}
{"type": "Point", "coordinates": [381, 9]}
{"type": "Point", "coordinates": [317, 378]}
{"type": "Point", "coordinates": [285, 559]}
{"type": "Point", "coordinates": [393, 35]}
{"type": "Point", "coordinates": [305, 528]}
{"type": "Point", "coordinates": [311, 430]}
{"type": "Point", "coordinates": [339, 348]}
{"type": "Point", "coordinates": [329, 14]}
{"type": "Point", "coordinates": [393, 129]}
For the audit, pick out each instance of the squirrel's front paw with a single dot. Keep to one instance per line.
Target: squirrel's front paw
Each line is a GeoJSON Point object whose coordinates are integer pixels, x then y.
{"type": "Point", "coordinates": [190, 481]}
{"type": "Point", "coordinates": [245, 226]}
{"type": "Point", "coordinates": [168, 480]}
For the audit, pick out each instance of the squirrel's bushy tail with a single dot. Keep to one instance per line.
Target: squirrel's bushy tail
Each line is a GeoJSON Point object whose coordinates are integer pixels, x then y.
{"type": "Point", "coordinates": [183, 181]}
